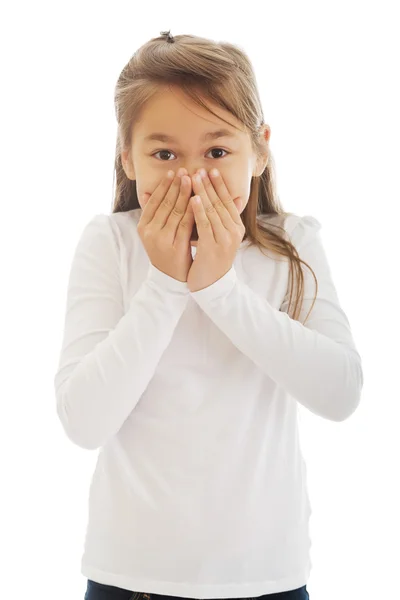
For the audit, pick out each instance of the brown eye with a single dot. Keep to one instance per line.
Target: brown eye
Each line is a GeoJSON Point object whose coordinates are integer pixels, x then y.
{"type": "Point", "coordinates": [218, 150]}
{"type": "Point", "coordinates": [167, 152]}
{"type": "Point", "coordinates": [162, 152]}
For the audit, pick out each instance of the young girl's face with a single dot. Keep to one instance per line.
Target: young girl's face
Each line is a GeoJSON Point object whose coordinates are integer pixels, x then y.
{"type": "Point", "coordinates": [174, 114]}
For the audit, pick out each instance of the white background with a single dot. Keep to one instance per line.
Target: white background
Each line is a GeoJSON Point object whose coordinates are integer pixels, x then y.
{"type": "Point", "coordinates": [328, 75]}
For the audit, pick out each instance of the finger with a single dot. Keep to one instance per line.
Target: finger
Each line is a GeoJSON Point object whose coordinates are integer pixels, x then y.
{"type": "Point", "coordinates": [146, 195]}
{"type": "Point", "coordinates": [145, 198]}
{"type": "Point", "coordinates": [220, 219]}
{"type": "Point", "coordinates": [204, 227]}
{"type": "Point", "coordinates": [223, 193]}
{"type": "Point", "coordinates": [156, 197]}
{"type": "Point", "coordinates": [185, 227]}
{"type": "Point", "coordinates": [179, 210]}
{"type": "Point", "coordinates": [172, 208]}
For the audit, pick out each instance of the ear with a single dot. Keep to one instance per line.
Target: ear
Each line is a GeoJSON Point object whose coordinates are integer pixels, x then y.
{"type": "Point", "coordinates": [262, 161]}
{"type": "Point", "coordinates": [127, 165]}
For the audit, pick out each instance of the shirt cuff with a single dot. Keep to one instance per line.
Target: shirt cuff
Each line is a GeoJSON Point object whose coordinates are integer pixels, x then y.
{"type": "Point", "coordinates": [166, 282]}
{"type": "Point", "coordinates": [219, 288]}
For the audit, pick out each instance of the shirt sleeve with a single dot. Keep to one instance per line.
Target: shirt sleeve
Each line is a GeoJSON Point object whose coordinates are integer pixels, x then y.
{"type": "Point", "coordinates": [316, 363]}
{"type": "Point", "coordinates": [108, 356]}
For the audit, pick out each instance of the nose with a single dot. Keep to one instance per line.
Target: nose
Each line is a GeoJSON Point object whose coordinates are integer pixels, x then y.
{"type": "Point", "coordinates": [182, 171]}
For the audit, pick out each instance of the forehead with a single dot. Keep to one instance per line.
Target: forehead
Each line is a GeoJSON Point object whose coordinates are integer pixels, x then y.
{"type": "Point", "coordinates": [215, 134]}
{"type": "Point", "coordinates": [172, 115]}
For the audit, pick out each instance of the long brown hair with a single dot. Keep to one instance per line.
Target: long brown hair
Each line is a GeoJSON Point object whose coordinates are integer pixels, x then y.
{"type": "Point", "coordinates": [224, 74]}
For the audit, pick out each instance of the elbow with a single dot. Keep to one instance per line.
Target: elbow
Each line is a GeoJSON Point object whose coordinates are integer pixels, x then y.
{"type": "Point", "coordinates": [350, 395]}
{"type": "Point", "coordinates": [77, 429]}
{"type": "Point", "coordinates": [346, 410]}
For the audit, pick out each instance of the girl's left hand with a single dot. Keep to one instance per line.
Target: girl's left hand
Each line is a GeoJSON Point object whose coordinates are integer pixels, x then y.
{"type": "Point", "coordinates": [220, 229]}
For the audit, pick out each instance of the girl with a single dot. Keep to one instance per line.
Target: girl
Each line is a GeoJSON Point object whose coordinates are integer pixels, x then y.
{"type": "Point", "coordinates": [183, 359]}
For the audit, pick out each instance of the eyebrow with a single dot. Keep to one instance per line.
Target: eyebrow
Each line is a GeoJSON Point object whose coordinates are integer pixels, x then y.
{"type": "Point", "coordinates": [210, 135]}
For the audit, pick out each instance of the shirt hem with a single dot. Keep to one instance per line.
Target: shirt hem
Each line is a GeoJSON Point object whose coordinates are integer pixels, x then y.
{"type": "Point", "coordinates": [190, 590]}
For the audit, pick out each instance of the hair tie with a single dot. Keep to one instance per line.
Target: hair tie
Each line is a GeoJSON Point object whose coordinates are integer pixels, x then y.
{"type": "Point", "coordinates": [170, 38]}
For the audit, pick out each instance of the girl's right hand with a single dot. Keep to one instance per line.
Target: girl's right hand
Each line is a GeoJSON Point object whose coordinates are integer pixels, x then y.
{"type": "Point", "coordinates": [166, 224]}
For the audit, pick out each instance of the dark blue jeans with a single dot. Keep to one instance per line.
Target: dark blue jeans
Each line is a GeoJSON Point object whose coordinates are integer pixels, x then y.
{"type": "Point", "coordinates": [100, 591]}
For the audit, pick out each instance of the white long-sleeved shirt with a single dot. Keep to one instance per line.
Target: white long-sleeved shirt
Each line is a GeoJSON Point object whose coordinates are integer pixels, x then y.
{"type": "Point", "coordinates": [200, 487]}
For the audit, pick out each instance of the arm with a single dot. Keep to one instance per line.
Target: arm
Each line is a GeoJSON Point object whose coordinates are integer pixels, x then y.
{"type": "Point", "coordinates": [316, 363]}
{"type": "Point", "coordinates": [108, 357]}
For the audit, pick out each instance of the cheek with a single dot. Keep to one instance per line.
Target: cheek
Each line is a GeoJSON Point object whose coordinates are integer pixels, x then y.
{"type": "Point", "coordinates": [238, 201]}
{"type": "Point", "coordinates": [146, 185]}
{"type": "Point", "coordinates": [246, 191]}
{"type": "Point", "coordinates": [241, 189]}
{"type": "Point", "coordinates": [140, 200]}
{"type": "Point", "coordinates": [142, 189]}
{"type": "Point", "coordinates": [242, 205]}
